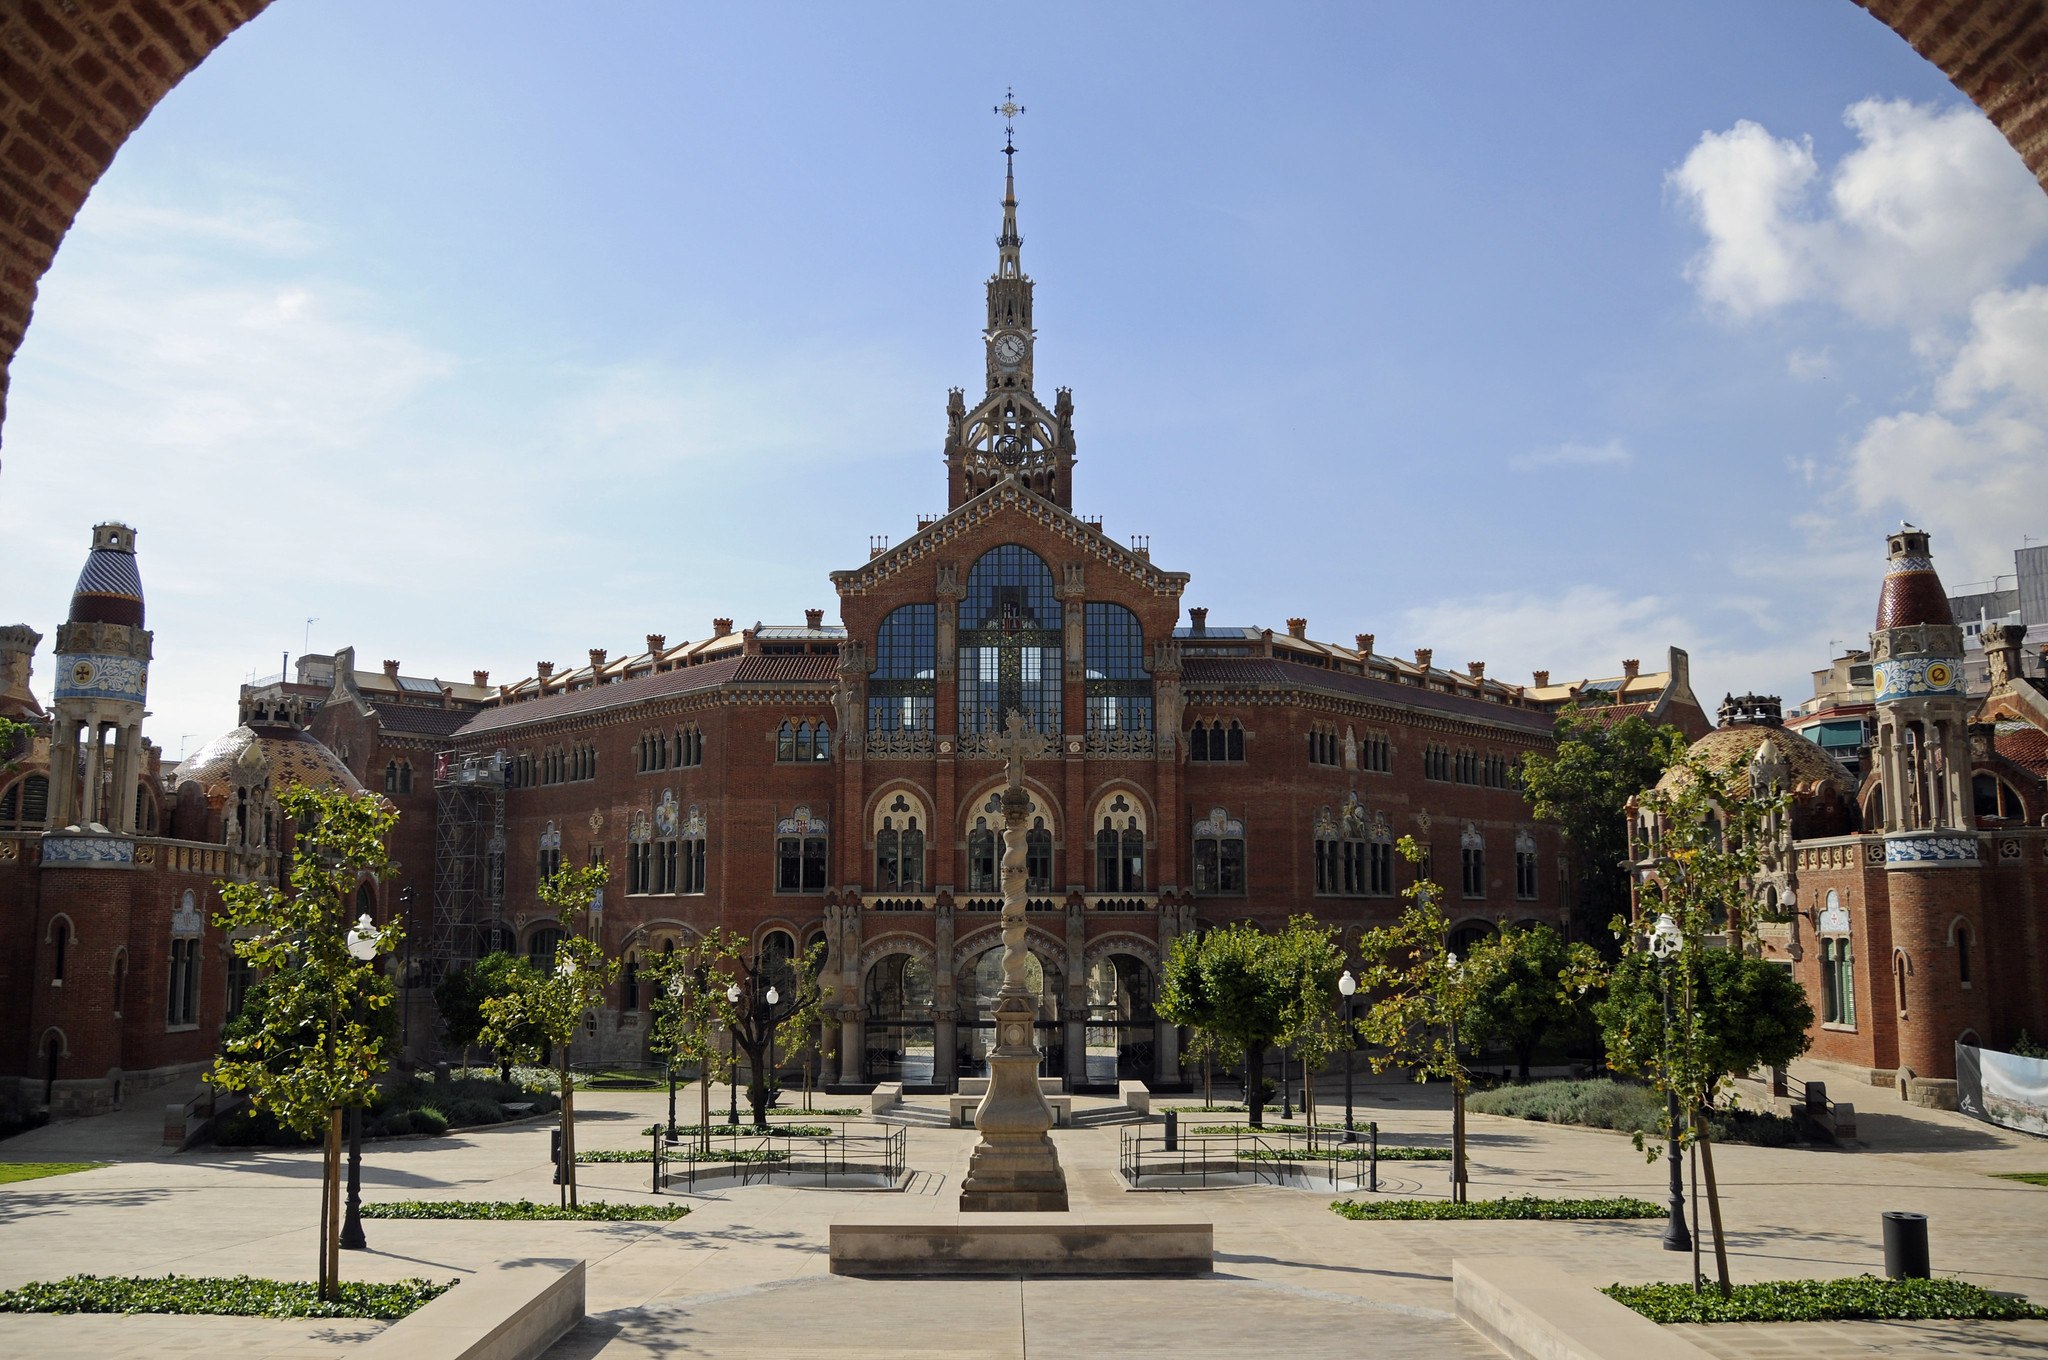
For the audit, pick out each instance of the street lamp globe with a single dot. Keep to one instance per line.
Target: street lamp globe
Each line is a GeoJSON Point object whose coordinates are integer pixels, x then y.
{"type": "Point", "coordinates": [1665, 938]}
{"type": "Point", "coordinates": [1348, 984]}
{"type": "Point", "coordinates": [732, 994]}
{"type": "Point", "coordinates": [362, 938]}
{"type": "Point", "coordinates": [773, 996]}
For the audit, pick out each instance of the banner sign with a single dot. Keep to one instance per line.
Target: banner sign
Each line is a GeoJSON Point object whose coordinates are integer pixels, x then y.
{"type": "Point", "coordinates": [2003, 1088]}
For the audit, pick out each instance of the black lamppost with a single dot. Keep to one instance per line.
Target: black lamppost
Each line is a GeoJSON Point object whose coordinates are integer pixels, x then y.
{"type": "Point", "coordinates": [1286, 1091]}
{"type": "Point", "coordinates": [1348, 987]}
{"type": "Point", "coordinates": [732, 1057]}
{"type": "Point", "coordinates": [675, 995]}
{"type": "Point", "coordinates": [362, 946]}
{"type": "Point", "coordinates": [1664, 944]}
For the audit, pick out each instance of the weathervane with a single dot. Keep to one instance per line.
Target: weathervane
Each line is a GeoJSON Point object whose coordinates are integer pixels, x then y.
{"type": "Point", "coordinates": [1009, 109]}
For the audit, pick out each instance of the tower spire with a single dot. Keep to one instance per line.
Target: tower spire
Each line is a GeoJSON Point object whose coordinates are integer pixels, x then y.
{"type": "Point", "coordinates": [1009, 246]}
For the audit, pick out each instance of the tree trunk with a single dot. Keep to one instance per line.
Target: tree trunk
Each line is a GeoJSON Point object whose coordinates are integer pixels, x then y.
{"type": "Point", "coordinates": [568, 1195]}
{"type": "Point", "coordinates": [1706, 1143]}
{"type": "Point", "coordinates": [1255, 1084]}
{"type": "Point", "coordinates": [1308, 1093]}
{"type": "Point", "coordinates": [1208, 1084]}
{"type": "Point", "coordinates": [1522, 1057]}
{"type": "Point", "coordinates": [330, 1209]}
{"type": "Point", "coordinates": [704, 1105]}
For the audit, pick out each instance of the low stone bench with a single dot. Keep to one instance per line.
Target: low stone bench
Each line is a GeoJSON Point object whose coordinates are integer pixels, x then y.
{"type": "Point", "coordinates": [1531, 1310]}
{"type": "Point", "coordinates": [978, 1086]}
{"type": "Point", "coordinates": [960, 1109]}
{"type": "Point", "coordinates": [510, 1311]}
{"type": "Point", "coordinates": [1027, 1245]}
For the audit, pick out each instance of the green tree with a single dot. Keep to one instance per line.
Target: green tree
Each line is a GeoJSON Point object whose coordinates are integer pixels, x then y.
{"type": "Point", "coordinates": [1421, 991]}
{"type": "Point", "coordinates": [689, 1009]}
{"type": "Point", "coordinates": [1310, 960]}
{"type": "Point", "coordinates": [16, 739]}
{"type": "Point", "coordinates": [1701, 861]}
{"type": "Point", "coordinates": [1224, 981]}
{"type": "Point", "coordinates": [460, 997]}
{"type": "Point", "coordinates": [1522, 996]}
{"type": "Point", "coordinates": [1584, 785]}
{"type": "Point", "coordinates": [312, 1051]}
{"type": "Point", "coordinates": [553, 1001]}
{"type": "Point", "coordinates": [1212, 1050]}
{"type": "Point", "coordinates": [807, 1009]}
{"type": "Point", "coordinates": [778, 1005]}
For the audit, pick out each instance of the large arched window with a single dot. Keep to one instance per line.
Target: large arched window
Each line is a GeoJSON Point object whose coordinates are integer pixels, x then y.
{"type": "Point", "coordinates": [1010, 657]}
{"type": "Point", "coordinates": [902, 690]}
{"type": "Point", "coordinates": [981, 857]}
{"type": "Point", "coordinates": [899, 853]}
{"type": "Point", "coordinates": [1119, 846]}
{"type": "Point", "coordinates": [1119, 686]}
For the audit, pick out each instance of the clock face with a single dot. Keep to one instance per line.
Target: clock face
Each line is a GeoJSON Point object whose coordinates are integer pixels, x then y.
{"type": "Point", "coordinates": [1009, 350]}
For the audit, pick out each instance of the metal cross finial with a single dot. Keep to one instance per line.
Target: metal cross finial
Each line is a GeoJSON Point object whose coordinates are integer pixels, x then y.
{"type": "Point", "coordinates": [1020, 741]}
{"type": "Point", "coordinates": [1009, 109]}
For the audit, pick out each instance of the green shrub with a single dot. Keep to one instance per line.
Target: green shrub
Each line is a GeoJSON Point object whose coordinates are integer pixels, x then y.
{"type": "Point", "coordinates": [469, 1111]}
{"type": "Point", "coordinates": [248, 1126]}
{"type": "Point", "coordinates": [1527, 1206]}
{"type": "Point", "coordinates": [233, 1296]}
{"type": "Point", "coordinates": [11, 1172]}
{"type": "Point", "coordinates": [1603, 1103]}
{"type": "Point", "coordinates": [1339, 1152]}
{"type": "Point", "coordinates": [396, 1124]}
{"type": "Point", "coordinates": [430, 1120]}
{"type": "Point", "coordinates": [1860, 1298]}
{"type": "Point", "coordinates": [743, 1131]}
{"type": "Point", "coordinates": [525, 1210]}
{"type": "Point", "coordinates": [2025, 1177]}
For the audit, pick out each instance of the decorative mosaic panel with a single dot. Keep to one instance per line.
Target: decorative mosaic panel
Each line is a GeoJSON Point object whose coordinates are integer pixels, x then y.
{"type": "Point", "coordinates": [1913, 676]}
{"type": "Point", "coordinates": [95, 852]}
{"type": "Point", "coordinates": [101, 677]}
{"type": "Point", "coordinates": [1930, 849]}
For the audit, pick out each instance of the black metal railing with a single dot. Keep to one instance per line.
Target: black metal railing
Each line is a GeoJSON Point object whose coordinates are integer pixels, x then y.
{"type": "Point", "coordinates": [851, 1160]}
{"type": "Point", "coordinates": [1275, 1156]}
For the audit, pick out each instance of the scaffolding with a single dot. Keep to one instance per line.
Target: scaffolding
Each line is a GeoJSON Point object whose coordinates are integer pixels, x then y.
{"type": "Point", "coordinates": [469, 857]}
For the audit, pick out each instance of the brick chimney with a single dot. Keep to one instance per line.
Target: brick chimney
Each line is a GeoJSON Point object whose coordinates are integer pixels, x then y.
{"type": "Point", "coordinates": [721, 628]}
{"type": "Point", "coordinates": [1198, 618]}
{"type": "Point", "coordinates": [656, 644]}
{"type": "Point", "coordinates": [1542, 679]}
{"type": "Point", "coordinates": [391, 669]}
{"type": "Point", "coordinates": [1297, 628]}
{"type": "Point", "coordinates": [1364, 641]}
{"type": "Point", "coordinates": [542, 670]}
{"type": "Point", "coordinates": [1423, 656]}
{"type": "Point", "coordinates": [1476, 669]}
{"type": "Point", "coordinates": [814, 618]}
{"type": "Point", "coordinates": [481, 679]}
{"type": "Point", "coordinates": [1630, 667]}
{"type": "Point", "coordinates": [597, 658]}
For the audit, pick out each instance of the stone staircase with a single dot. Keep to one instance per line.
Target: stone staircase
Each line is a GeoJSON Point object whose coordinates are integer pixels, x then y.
{"type": "Point", "coordinates": [914, 1117]}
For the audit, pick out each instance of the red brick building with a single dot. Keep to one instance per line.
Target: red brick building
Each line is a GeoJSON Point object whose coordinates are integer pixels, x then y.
{"type": "Point", "coordinates": [833, 781]}
{"type": "Point", "coordinates": [1912, 904]}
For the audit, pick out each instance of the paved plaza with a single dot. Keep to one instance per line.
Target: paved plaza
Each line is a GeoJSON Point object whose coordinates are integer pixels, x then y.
{"type": "Point", "coordinates": [746, 1271]}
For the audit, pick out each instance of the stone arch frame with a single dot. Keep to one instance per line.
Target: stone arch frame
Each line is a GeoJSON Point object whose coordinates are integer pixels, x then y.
{"type": "Point", "coordinates": [1141, 805]}
{"type": "Point", "coordinates": [63, 1041]}
{"type": "Point", "coordinates": [1051, 952]}
{"type": "Point", "coordinates": [878, 804]}
{"type": "Point", "coordinates": [768, 927]}
{"type": "Point", "coordinates": [1044, 798]}
{"type": "Point", "coordinates": [50, 927]}
{"type": "Point", "coordinates": [1968, 1038]}
{"type": "Point", "coordinates": [1486, 924]}
{"type": "Point", "coordinates": [937, 848]}
{"type": "Point", "coordinates": [874, 951]}
{"type": "Point", "coordinates": [525, 931]}
{"type": "Point", "coordinates": [1902, 973]}
{"type": "Point", "coordinates": [1139, 948]}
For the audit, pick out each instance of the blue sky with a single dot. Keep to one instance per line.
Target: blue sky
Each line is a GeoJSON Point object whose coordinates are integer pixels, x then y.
{"type": "Point", "coordinates": [1539, 335]}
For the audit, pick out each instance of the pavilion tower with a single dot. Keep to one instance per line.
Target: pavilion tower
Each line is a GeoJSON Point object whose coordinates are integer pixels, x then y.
{"type": "Point", "coordinates": [103, 654]}
{"type": "Point", "coordinates": [1009, 433]}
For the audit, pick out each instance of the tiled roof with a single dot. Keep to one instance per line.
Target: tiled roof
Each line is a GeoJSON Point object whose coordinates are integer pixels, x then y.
{"type": "Point", "coordinates": [1206, 670]}
{"type": "Point", "coordinates": [2024, 745]}
{"type": "Point", "coordinates": [736, 670]}
{"type": "Point", "coordinates": [1730, 749]}
{"type": "Point", "coordinates": [287, 755]}
{"type": "Point", "coordinates": [422, 721]}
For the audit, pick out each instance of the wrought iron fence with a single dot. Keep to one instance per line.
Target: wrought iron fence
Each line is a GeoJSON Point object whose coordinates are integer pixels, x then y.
{"type": "Point", "coordinates": [1273, 1156]}
{"type": "Point", "coordinates": [849, 1160]}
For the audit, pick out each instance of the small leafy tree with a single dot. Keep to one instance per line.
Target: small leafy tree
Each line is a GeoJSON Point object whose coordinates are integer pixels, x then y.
{"type": "Point", "coordinates": [760, 1026]}
{"type": "Point", "coordinates": [1310, 960]}
{"type": "Point", "coordinates": [1583, 784]}
{"type": "Point", "coordinates": [807, 1007]}
{"type": "Point", "coordinates": [16, 739]}
{"type": "Point", "coordinates": [1701, 863]}
{"type": "Point", "coordinates": [312, 1051]}
{"type": "Point", "coordinates": [1224, 981]}
{"type": "Point", "coordinates": [460, 997]}
{"type": "Point", "coordinates": [553, 1001]}
{"type": "Point", "coordinates": [1211, 1049]}
{"type": "Point", "coordinates": [1421, 991]}
{"type": "Point", "coordinates": [1521, 997]}
{"type": "Point", "coordinates": [689, 1009]}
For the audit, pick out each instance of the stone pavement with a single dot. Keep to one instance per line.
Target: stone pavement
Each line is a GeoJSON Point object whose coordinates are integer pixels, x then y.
{"type": "Point", "coordinates": [746, 1271]}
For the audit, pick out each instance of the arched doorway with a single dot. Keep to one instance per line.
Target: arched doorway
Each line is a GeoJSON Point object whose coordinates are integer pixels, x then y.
{"type": "Point", "coordinates": [1122, 1025]}
{"type": "Point", "coordinates": [981, 982]}
{"type": "Point", "coordinates": [897, 999]}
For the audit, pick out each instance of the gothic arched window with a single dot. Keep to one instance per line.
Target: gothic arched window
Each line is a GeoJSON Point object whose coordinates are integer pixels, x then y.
{"type": "Point", "coordinates": [1119, 687]}
{"type": "Point", "coordinates": [1219, 854]}
{"type": "Point", "coordinates": [981, 857]}
{"type": "Point", "coordinates": [903, 691]}
{"type": "Point", "coordinates": [1010, 642]}
{"type": "Point", "coordinates": [1038, 857]}
{"type": "Point", "coordinates": [899, 854]}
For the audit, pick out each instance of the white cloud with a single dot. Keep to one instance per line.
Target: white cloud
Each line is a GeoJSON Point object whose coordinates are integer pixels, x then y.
{"type": "Point", "coordinates": [1810, 365]}
{"type": "Point", "coordinates": [1613, 453]}
{"type": "Point", "coordinates": [1585, 630]}
{"type": "Point", "coordinates": [1932, 208]}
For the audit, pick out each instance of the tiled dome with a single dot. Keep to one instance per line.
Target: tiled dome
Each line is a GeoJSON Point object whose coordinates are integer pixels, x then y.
{"type": "Point", "coordinates": [109, 589]}
{"type": "Point", "coordinates": [1912, 593]}
{"type": "Point", "coordinates": [1731, 749]}
{"type": "Point", "coordinates": [288, 756]}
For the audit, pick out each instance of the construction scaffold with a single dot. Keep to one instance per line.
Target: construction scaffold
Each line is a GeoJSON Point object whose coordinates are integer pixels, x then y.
{"type": "Point", "coordinates": [469, 859]}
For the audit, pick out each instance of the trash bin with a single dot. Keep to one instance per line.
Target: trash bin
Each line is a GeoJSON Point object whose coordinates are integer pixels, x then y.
{"type": "Point", "coordinates": [1905, 1246]}
{"type": "Point", "coordinates": [1172, 1131]}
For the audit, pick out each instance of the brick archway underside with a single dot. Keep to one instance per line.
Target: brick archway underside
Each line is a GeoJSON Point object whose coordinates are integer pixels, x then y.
{"type": "Point", "coordinates": [78, 76]}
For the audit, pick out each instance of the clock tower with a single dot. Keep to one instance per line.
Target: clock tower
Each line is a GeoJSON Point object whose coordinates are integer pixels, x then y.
{"type": "Point", "coordinates": [1009, 433]}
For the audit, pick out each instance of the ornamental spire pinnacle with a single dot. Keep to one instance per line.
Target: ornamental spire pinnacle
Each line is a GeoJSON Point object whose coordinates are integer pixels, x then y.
{"type": "Point", "coordinates": [1010, 244]}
